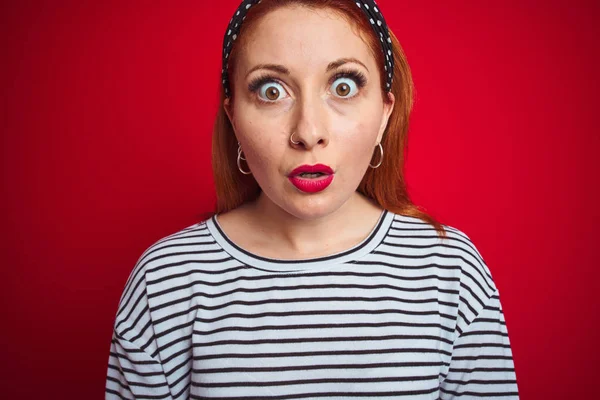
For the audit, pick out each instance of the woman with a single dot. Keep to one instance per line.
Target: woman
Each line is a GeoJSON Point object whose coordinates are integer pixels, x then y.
{"type": "Point", "coordinates": [316, 277]}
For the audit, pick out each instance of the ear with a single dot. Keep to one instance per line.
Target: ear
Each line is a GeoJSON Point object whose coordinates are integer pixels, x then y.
{"type": "Point", "coordinates": [227, 106]}
{"type": "Point", "coordinates": [388, 107]}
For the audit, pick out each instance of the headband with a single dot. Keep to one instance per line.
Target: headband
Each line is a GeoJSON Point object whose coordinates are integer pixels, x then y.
{"type": "Point", "coordinates": [368, 6]}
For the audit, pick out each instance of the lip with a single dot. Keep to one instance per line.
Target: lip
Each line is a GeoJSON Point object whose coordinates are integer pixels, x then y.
{"type": "Point", "coordinates": [325, 169]}
{"type": "Point", "coordinates": [311, 185]}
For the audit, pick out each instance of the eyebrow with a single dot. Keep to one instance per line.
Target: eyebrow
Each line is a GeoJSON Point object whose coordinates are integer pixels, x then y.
{"type": "Point", "coordinates": [283, 70]}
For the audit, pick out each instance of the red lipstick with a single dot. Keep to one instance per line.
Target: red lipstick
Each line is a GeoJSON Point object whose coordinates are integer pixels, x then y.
{"type": "Point", "coordinates": [311, 178]}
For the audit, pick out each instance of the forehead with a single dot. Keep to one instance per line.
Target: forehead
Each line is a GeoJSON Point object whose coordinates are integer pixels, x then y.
{"type": "Point", "coordinates": [303, 39]}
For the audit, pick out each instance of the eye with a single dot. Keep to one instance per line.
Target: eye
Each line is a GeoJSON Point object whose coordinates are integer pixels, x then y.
{"type": "Point", "coordinates": [268, 89]}
{"type": "Point", "coordinates": [343, 87]}
{"type": "Point", "coordinates": [271, 92]}
{"type": "Point", "coordinates": [346, 84]}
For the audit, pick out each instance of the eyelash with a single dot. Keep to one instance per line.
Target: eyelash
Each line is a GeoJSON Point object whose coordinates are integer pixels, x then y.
{"type": "Point", "coordinates": [359, 78]}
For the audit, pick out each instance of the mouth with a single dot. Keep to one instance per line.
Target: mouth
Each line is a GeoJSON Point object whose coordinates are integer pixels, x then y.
{"type": "Point", "coordinates": [309, 175]}
{"type": "Point", "coordinates": [311, 178]}
{"type": "Point", "coordinates": [311, 171]}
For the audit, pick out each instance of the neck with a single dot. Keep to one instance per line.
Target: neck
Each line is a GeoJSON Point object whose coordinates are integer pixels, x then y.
{"type": "Point", "coordinates": [312, 235]}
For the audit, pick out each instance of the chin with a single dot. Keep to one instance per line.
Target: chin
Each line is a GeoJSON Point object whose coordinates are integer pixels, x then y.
{"type": "Point", "coordinates": [313, 207]}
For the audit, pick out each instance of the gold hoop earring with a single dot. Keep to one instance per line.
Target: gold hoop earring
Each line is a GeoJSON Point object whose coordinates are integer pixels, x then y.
{"type": "Point", "coordinates": [292, 140]}
{"type": "Point", "coordinates": [381, 158]}
{"type": "Point", "coordinates": [239, 156]}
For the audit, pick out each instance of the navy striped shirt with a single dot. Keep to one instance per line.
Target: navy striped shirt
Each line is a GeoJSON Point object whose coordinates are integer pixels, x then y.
{"type": "Point", "coordinates": [404, 313]}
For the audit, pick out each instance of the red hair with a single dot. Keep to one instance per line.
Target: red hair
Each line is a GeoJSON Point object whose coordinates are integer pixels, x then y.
{"type": "Point", "coordinates": [386, 184]}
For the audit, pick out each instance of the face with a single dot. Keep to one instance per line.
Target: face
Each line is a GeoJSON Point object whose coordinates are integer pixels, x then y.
{"type": "Point", "coordinates": [326, 90]}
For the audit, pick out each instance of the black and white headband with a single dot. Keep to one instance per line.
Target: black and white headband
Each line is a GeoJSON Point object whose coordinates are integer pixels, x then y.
{"type": "Point", "coordinates": [368, 6]}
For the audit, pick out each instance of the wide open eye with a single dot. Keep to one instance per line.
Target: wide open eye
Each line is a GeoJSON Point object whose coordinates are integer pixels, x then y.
{"type": "Point", "coordinates": [347, 84]}
{"type": "Point", "coordinates": [271, 91]}
{"type": "Point", "coordinates": [266, 88]}
{"type": "Point", "coordinates": [344, 87]}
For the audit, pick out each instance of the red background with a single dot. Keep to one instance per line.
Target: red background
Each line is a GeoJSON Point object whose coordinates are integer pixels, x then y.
{"type": "Point", "coordinates": [106, 128]}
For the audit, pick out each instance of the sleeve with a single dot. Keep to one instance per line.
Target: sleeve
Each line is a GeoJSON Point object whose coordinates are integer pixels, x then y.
{"type": "Point", "coordinates": [482, 364]}
{"type": "Point", "coordinates": [133, 373]}
{"type": "Point", "coordinates": [135, 370]}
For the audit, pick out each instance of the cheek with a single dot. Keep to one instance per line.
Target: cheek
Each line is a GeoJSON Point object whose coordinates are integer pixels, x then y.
{"type": "Point", "coordinates": [355, 139]}
{"type": "Point", "coordinates": [262, 148]}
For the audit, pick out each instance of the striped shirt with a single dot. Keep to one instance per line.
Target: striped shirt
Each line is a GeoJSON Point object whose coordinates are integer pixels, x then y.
{"type": "Point", "coordinates": [404, 313]}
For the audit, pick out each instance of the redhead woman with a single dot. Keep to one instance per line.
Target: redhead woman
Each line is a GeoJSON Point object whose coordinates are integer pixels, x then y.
{"type": "Point", "coordinates": [315, 277]}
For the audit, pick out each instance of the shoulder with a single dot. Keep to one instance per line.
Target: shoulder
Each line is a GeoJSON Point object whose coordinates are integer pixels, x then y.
{"type": "Point", "coordinates": [168, 255]}
{"type": "Point", "coordinates": [477, 289]}
{"type": "Point", "coordinates": [455, 257]}
{"type": "Point", "coordinates": [176, 246]}
{"type": "Point", "coordinates": [474, 268]}
{"type": "Point", "coordinates": [457, 244]}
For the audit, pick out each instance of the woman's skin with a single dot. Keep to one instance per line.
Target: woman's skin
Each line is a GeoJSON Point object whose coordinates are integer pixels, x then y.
{"type": "Point", "coordinates": [339, 130]}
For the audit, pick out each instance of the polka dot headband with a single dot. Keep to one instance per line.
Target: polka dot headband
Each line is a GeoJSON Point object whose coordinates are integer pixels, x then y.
{"type": "Point", "coordinates": [368, 6]}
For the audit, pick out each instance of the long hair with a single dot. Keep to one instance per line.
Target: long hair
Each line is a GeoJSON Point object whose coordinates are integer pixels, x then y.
{"type": "Point", "coordinates": [386, 184]}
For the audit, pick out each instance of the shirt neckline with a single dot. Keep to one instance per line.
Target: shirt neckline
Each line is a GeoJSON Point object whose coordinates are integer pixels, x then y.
{"type": "Point", "coordinates": [373, 239]}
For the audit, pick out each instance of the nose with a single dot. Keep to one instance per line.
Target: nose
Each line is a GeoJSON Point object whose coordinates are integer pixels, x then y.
{"type": "Point", "coordinates": [310, 124]}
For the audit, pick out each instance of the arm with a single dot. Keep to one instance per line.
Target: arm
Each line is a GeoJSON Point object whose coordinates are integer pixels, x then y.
{"type": "Point", "coordinates": [482, 363]}
{"type": "Point", "coordinates": [133, 373]}
{"type": "Point", "coordinates": [135, 370]}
